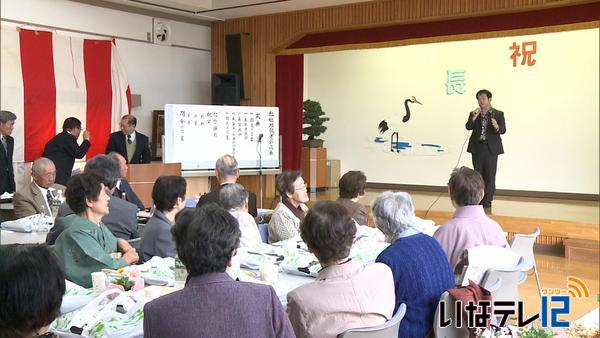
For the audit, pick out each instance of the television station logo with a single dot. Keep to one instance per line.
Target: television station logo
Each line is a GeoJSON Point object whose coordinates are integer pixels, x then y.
{"type": "Point", "coordinates": [556, 302]}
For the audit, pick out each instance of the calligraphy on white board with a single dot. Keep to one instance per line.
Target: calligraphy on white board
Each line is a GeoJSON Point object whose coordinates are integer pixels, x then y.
{"type": "Point", "coordinates": [196, 135]}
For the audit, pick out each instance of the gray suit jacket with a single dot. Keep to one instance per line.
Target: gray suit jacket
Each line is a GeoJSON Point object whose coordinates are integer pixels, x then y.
{"type": "Point", "coordinates": [157, 239]}
{"type": "Point", "coordinates": [215, 305]}
{"type": "Point", "coordinates": [30, 201]}
{"type": "Point", "coordinates": [121, 220]}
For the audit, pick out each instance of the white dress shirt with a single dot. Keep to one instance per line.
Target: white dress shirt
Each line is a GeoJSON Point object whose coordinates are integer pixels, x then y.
{"type": "Point", "coordinates": [132, 137]}
{"type": "Point", "coordinates": [44, 192]}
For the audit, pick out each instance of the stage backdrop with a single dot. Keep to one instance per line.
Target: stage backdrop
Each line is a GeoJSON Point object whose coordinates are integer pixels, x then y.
{"type": "Point", "coordinates": [546, 84]}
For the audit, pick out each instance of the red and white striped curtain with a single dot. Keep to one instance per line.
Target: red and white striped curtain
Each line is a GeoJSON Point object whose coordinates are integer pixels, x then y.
{"type": "Point", "coordinates": [47, 77]}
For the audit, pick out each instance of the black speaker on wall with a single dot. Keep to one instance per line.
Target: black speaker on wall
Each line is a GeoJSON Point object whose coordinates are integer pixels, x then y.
{"type": "Point", "coordinates": [226, 89]}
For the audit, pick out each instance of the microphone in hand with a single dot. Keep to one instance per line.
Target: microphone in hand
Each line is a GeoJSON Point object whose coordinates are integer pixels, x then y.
{"type": "Point", "coordinates": [260, 136]}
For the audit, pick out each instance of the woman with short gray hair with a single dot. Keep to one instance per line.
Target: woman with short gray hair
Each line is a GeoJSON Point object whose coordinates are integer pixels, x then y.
{"type": "Point", "coordinates": [394, 215]}
{"type": "Point", "coordinates": [419, 265]}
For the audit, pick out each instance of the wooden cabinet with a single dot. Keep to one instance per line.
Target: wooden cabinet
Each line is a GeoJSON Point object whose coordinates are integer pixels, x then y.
{"type": "Point", "coordinates": [314, 168]}
{"type": "Point", "coordinates": [141, 177]}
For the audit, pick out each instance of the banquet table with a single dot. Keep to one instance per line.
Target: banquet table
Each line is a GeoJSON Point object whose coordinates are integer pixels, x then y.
{"type": "Point", "coordinates": [13, 237]}
{"type": "Point", "coordinates": [295, 267]}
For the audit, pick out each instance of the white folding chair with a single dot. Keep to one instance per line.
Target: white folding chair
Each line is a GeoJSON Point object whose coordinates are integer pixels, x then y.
{"type": "Point", "coordinates": [504, 283]}
{"type": "Point", "coordinates": [388, 329]}
{"type": "Point", "coordinates": [523, 245]}
{"type": "Point", "coordinates": [451, 331]}
{"type": "Point", "coordinates": [477, 260]}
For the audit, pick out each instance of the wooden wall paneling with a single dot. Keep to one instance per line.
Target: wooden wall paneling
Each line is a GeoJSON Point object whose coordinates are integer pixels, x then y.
{"type": "Point", "coordinates": [252, 183]}
{"type": "Point", "coordinates": [196, 185]}
{"type": "Point", "coordinates": [246, 42]}
{"type": "Point", "coordinates": [141, 177]}
{"type": "Point", "coordinates": [269, 32]}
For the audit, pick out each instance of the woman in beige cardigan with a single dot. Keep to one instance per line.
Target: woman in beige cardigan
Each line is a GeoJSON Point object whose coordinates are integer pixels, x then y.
{"type": "Point", "coordinates": [345, 294]}
{"type": "Point", "coordinates": [285, 221]}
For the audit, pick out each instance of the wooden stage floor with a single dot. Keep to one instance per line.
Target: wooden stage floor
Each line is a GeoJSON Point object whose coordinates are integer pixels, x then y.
{"type": "Point", "coordinates": [537, 208]}
{"type": "Point", "coordinates": [553, 268]}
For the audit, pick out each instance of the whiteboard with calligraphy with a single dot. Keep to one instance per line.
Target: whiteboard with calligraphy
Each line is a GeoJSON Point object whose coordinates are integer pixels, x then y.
{"type": "Point", "coordinates": [196, 135]}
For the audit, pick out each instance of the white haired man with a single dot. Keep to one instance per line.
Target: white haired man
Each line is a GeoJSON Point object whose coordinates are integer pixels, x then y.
{"type": "Point", "coordinates": [234, 198]}
{"type": "Point", "coordinates": [227, 171]}
{"type": "Point", "coordinates": [36, 197]}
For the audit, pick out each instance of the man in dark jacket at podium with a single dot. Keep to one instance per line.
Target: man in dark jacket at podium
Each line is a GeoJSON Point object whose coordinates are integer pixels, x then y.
{"type": "Point", "coordinates": [132, 145]}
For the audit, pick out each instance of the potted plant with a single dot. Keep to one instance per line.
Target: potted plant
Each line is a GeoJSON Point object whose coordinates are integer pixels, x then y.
{"type": "Point", "coordinates": [313, 117]}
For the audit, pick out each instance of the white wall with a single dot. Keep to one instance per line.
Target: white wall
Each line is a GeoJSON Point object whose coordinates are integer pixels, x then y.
{"type": "Point", "coordinates": [551, 109]}
{"type": "Point", "coordinates": [160, 74]}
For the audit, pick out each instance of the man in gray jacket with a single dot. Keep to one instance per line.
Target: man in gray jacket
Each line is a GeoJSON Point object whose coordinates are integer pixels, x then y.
{"type": "Point", "coordinates": [36, 197]}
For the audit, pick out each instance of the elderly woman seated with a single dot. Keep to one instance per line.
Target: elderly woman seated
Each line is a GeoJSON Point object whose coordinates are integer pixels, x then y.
{"type": "Point", "coordinates": [86, 244]}
{"type": "Point", "coordinates": [234, 197]}
{"type": "Point", "coordinates": [285, 221]}
{"type": "Point", "coordinates": [420, 267]}
{"type": "Point", "coordinates": [168, 195]}
{"type": "Point", "coordinates": [345, 295]}
{"type": "Point", "coordinates": [32, 285]}
{"type": "Point", "coordinates": [212, 304]}
{"type": "Point", "coordinates": [352, 188]}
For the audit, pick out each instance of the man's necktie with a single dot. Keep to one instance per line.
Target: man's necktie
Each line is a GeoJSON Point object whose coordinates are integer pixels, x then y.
{"type": "Point", "coordinates": [129, 139]}
{"type": "Point", "coordinates": [4, 143]}
{"type": "Point", "coordinates": [49, 197]}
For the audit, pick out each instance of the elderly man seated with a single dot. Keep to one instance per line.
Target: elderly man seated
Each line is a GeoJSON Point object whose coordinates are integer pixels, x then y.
{"type": "Point", "coordinates": [123, 189]}
{"type": "Point", "coordinates": [227, 171]}
{"type": "Point", "coordinates": [420, 268]}
{"type": "Point", "coordinates": [212, 304]}
{"type": "Point", "coordinates": [470, 226]}
{"type": "Point", "coordinates": [122, 218]}
{"type": "Point", "coordinates": [36, 197]}
{"type": "Point", "coordinates": [234, 197]}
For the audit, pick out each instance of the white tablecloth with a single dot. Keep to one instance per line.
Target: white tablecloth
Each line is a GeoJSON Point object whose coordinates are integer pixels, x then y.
{"type": "Point", "coordinates": [12, 237]}
{"type": "Point", "coordinates": [365, 251]}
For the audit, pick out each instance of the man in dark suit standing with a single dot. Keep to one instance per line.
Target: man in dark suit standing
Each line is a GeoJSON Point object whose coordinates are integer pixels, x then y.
{"type": "Point", "coordinates": [63, 149]}
{"type": "Point", "coordinates": [7, 145]}
{"type": "Point", "coordinates": [132, 145]}
{"type": "Point", "coordinates": [485, 143]}
{"type": "Point", "coordinates": [227, 171]}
